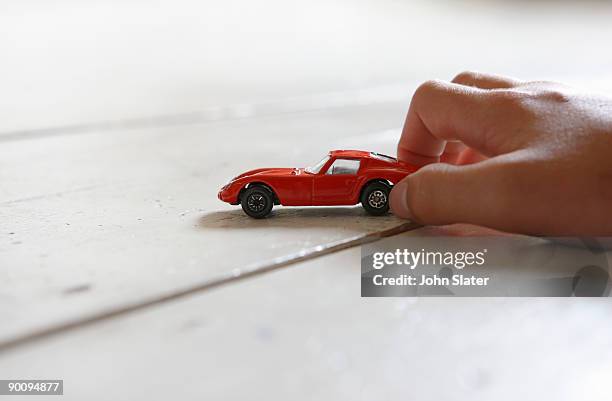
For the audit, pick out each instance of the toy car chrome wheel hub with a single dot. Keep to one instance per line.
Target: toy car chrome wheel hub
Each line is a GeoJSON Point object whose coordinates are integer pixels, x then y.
{"type": "Point", "coordinates": [377, 199]}
{"type": "Point", "coordinates": [256, 202]}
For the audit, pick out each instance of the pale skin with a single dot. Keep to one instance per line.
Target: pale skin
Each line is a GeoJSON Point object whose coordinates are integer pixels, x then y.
{"type": "Point", "coordinates": [517, 156]}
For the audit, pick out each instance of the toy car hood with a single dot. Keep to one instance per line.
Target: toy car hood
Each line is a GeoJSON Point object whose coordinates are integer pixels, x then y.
{"type": "Point", "coordinates": [270, 172]}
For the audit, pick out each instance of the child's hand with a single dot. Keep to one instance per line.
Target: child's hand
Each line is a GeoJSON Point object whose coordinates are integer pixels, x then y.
{"type": "Point", "coordinates": [528, 157]}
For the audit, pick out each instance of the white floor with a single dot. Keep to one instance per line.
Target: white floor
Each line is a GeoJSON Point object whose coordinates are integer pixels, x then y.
{"type": "Point", "coordinates": [119, 121]}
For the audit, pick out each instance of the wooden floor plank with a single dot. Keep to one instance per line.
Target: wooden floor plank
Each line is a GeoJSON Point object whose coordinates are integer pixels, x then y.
{"type": "Point", "coordinates": [305, 333]}
{"type": "Point", "coordinates": [95, 221]}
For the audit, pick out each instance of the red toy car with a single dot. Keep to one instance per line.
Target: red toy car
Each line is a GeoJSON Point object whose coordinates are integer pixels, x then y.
{"type": "Point", "coordinates": [343, 177]}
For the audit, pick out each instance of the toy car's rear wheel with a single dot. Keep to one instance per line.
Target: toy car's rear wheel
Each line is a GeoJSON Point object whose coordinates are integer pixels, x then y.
{"type": "Point", "coordinates": [375, 198]}
{"type": "Point", "coordinates": [257, 202]}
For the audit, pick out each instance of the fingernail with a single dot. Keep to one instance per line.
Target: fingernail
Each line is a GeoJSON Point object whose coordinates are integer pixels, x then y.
{"type": "Point", "coordinates": [398, 201]}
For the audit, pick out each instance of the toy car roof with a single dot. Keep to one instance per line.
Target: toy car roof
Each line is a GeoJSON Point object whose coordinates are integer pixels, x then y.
{"type": "Point", "coordinates": [360, 154]}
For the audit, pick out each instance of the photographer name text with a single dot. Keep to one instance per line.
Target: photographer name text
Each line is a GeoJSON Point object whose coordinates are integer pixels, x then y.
{"type": "Point", "coordinates": [435, 259]}
{"type": "Point", "coordinates": [434, 280]}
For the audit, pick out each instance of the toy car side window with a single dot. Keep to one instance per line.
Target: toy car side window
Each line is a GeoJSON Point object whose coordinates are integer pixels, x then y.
{"type": "Point", "coordinates": [344, 166]}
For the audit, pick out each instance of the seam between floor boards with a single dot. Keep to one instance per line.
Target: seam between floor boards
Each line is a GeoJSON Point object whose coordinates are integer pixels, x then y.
{"type": "Point", "coordinates": [228, 113]}
{"type": "Point", "coordinates": [230, 277]}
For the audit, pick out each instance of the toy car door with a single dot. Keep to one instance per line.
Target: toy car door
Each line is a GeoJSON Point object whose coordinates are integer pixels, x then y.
{"type": "Point", "coordinates": [337, 184]}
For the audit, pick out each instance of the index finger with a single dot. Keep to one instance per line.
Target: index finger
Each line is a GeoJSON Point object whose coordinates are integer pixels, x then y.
{"type": "Point", "coordinates": [443, 111]}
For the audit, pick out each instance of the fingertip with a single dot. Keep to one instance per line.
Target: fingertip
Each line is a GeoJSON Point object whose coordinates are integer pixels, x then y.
{"type": "Point", "coordinates": [398, 201]}
{"type": "Point", "coordinates": [428, 194]}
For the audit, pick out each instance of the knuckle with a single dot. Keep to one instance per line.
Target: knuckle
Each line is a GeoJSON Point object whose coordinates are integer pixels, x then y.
{"type": "Point", "coordinates": [526, 101]}
{"type": "Point", "coordinates": [554, 95]}
{"type": "Point", "coordinates": [429, 86]}
{"type": "Point", "coordinates": [540, 85]}
{"type": "Point", "coordinates": [511, 98]}
{"type": "Point", "coordinates": [465, 77]}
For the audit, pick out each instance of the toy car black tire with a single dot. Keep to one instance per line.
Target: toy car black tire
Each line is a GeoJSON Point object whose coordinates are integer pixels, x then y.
{"type": "Point", "coordinates": [375, 198]}
{"type": "Point", "coordinates": [257, 202]}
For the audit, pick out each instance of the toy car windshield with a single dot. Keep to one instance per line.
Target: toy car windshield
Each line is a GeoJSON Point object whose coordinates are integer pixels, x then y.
{"type": "Point", "coordinates": [317, 167]}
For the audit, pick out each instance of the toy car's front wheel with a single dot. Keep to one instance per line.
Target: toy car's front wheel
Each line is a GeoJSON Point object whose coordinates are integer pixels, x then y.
{"type": "Point", "coordinates": [375, 198]}
{"type": "Point", "coordinates": [257, 202]}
